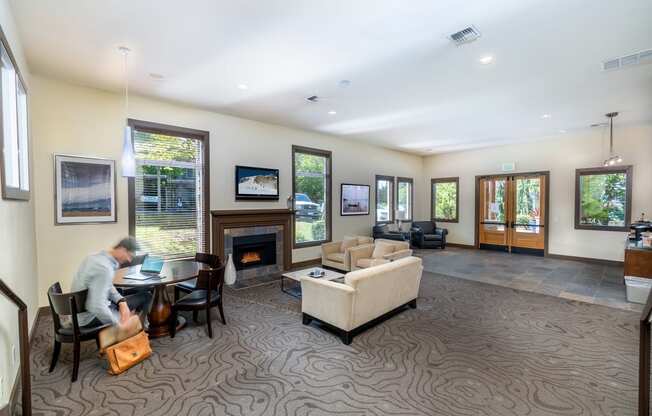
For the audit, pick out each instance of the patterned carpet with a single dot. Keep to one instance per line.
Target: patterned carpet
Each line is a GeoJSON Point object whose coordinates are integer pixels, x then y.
{"type": "Point", "coordinates": [468, 349]}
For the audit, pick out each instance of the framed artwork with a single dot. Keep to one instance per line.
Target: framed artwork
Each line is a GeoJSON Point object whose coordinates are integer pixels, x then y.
{"type": "Point", "coordinates": [354, 199]}
{"type": "Point", "coordinates": [84, 190]}
{"type": "Point", "coordinates": [256, 183]}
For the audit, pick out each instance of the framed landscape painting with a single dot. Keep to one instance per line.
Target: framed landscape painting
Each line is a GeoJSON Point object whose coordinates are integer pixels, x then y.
{"type": "Point", "coordinates": [84, 190]}
{"type": "Point", "coordinates": [354, 199]}
{"type": "Point", "coordinates": [256, 183]}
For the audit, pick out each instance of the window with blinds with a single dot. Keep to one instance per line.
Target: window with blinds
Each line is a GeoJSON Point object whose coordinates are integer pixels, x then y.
{"type": "Point", "coordinates": [168, 198]}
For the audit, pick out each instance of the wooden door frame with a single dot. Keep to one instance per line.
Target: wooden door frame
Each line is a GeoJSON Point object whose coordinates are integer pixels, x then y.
{"type": "Point", "coordinates": [546, 216]}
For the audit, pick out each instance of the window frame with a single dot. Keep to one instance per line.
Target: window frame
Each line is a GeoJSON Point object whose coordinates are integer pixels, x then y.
{"type": "Point", "coordinates": [328, 203]}
{"type": "Point", "coordinates": [399, 180]}
{"type": "Point", "coordinates": [204, 137]}
{"type": "Point", "coordinates": [392, 202]}
{"type": "Point", "coordinates": [628, 171]}
{"type": "Point", "coordinates": [433, 202]}
{"type": "Point", "coordinates": [11, 192]}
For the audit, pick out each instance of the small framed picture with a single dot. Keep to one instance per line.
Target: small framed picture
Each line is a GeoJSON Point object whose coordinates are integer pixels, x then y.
{"type": "Point", "coordinates": [354, 199]}
{"type": "Point", "coordinates": [84, 190]}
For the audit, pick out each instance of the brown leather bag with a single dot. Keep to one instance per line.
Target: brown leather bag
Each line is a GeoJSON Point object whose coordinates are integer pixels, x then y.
{"type": "Point", "coordinates": [125, 354]}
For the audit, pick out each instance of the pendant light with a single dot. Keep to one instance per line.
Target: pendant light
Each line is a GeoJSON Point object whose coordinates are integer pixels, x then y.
{"type": "Point", "coordinates": [128, 157]}
{"type": "Point", "coordinates": [613, 158]}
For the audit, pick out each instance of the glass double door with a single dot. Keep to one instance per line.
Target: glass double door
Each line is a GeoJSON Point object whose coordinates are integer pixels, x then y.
{"type": "Point", "coordinates": [512, 212]}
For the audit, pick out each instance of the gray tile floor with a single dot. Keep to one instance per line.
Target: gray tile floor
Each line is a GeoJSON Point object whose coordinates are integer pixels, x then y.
{"type": "Point", "coordinates": [576, 280]}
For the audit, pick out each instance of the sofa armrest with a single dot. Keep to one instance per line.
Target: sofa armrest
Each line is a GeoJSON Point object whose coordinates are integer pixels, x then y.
{"type": "Point", "coordinates": [398, 254]}
{"type": "Point", "coordinates": [328, 301]}
{"type": "Point", "coordinates": [330, 248]}
{"type": "Point", "coordinates": [360, 252]}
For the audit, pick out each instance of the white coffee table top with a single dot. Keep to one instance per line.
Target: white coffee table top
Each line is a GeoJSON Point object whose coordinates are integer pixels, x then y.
{"type": "Point", "coordinates": [298, 274]}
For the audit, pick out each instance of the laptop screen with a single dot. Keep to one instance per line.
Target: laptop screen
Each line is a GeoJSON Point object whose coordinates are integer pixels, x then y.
{"type": "Point", "coordinates": [152, 264]}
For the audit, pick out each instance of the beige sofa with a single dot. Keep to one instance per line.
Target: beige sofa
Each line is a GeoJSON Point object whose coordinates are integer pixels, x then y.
{"type": "Point", "coordinates": [336, 254]}
{"type": "Point", "coordinates": [380, 252]}
{"type": "Point", "coordinates": [364, 299]}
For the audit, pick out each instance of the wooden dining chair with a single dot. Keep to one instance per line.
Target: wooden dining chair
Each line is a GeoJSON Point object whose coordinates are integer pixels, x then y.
{"type": "Point", "coordinates": [70, 304]}
{"type": "Point", "coordinates": [206, 295]}
{"type": "Point", "coordinates": [212, 261]}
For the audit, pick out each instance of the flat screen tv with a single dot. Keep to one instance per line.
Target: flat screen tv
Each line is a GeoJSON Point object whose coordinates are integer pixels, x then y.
{"type": "Point", "coordinates": [256, 183]}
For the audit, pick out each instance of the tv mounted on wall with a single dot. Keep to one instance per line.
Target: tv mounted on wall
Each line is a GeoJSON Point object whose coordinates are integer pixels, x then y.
{"type": "Point", "coordinates": [256, 183]}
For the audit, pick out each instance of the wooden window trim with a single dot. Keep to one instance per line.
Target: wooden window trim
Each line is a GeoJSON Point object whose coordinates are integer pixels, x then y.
{"type": "Point", "coordinates": [328, 203]}
{"type": "Point", "coordinates": [203, 136]}
{"type": "Point", "coordinates": [434, 181]}
{"type": "Point", "coordinates": [400, 180]}
{"type": "Point", "coordinates": [392, 202]}
{"type": "Point", "coordinates": [10, 192]}
{"type": "Point", "coordinates": [627, 170]}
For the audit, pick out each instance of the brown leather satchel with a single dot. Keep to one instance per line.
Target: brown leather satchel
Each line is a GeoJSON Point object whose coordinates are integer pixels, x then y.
{"type": "Point", "coordinates": [125, 354]}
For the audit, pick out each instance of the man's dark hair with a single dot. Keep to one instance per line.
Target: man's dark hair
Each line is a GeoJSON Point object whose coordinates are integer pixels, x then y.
{"type": "Point", "coordinates": [128, 243]}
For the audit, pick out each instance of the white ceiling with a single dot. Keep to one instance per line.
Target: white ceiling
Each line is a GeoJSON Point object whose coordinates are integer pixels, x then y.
{"type": "Point", "coordinates": [411, 89]}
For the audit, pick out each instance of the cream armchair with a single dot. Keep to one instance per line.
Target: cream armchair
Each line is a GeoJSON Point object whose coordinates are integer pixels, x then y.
{"type": "Point", "coordinates": [336, 254]}
{"type": "Point", "coordinates": [381, 252]}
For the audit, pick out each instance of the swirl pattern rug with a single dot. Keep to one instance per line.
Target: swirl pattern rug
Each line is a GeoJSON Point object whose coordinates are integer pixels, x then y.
{"type": "Point", "coordinates": [468, 349]}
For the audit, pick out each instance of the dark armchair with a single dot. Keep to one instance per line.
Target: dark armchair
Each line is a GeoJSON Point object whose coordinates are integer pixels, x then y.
{"type": "Point", "coordinates": [382, 231]}
{"type": "Point", "coordinates": [425, 234]}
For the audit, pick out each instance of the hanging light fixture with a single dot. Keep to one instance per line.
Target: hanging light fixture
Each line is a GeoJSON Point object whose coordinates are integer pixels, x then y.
{"type": "Point", "coordinates": [613, 158]}
{"type": "Point", "coordinates": [128, 157]}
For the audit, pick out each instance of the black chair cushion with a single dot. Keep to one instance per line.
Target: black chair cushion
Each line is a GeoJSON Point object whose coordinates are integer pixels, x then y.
{"type": "Point", "coordinates": [83, 330]}
{"type": "Point", "coordinates": [426, 227]}
{"type": "Point", "coordinates": [432, 237]}
{"type": "Point", "coordinates": [197, 298]}
{"type": "Point", "coordinates": [188, 285]}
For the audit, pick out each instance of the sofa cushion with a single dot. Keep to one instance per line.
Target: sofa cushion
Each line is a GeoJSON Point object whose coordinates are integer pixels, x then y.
{"type": "Point", "coordinates": [432, 237]}
{"type": "Point", "coordinates": [366, 263]}
{"type": "Point", "coordinates": [392, 228]}
{"type": "Point", "coordinates": [349, 242]}
{"type": "Point", "coordinates": [426, 227]}
{"type": "Point", "coordinates": [337, 257]}
{"type": "Point", "coordinates": [381, 249]}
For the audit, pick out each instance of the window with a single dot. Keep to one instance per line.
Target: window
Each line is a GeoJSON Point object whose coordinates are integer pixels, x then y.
{"type": "Point", "coordinates": [311, 187]}
{"type": "Point", "coordinates": [444, 200]}
{"type": "Point", "coordinates": [404, 198]}
{"type": "Point", "coordinates": [384, 199]}
{"type": "Point", "coordinates": [168, 198]}
{"type": "Point", "coordinates": [14, 140]}
{"type": "Point", "coordinates": [603, 198]}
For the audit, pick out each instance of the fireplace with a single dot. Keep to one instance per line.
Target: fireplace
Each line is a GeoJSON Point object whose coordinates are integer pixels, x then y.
{"type": "Point", "coordinates": [251, 251]}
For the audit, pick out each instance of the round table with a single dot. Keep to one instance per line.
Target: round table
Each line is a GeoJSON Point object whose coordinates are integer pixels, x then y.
{"type": "Point", "coordinates": [172, 272]}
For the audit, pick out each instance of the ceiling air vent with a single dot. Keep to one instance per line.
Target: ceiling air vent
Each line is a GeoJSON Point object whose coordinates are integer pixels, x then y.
{"type": "Point", "coordinates": [466, 35]}
{"type": "Point", "coordinates": [643, 57]}
{"type": "Point", "coordinates": [312, 99]}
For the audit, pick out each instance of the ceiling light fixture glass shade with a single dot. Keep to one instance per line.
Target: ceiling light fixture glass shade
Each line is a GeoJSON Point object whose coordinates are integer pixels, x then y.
{"type": "Point", "coordinates": [613, 158]}
{"type": "Point", "coordinates": [128, 159]}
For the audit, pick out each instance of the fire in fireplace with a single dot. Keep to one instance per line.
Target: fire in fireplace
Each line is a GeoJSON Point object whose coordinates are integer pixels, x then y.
{"type": "Point", "coordinates": [254, 251]}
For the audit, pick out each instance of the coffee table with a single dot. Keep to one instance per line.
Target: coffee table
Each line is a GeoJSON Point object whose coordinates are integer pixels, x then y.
{"type": "Point", "coordinates": [298, 274]}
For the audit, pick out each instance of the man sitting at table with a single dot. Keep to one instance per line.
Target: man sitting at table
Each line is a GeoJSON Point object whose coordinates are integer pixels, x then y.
{"type": "Point", "coordinates": [104, 304]}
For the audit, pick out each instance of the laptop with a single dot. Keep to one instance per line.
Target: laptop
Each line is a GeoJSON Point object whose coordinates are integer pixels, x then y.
{"type": "Point", "coordinates": [150, 269]}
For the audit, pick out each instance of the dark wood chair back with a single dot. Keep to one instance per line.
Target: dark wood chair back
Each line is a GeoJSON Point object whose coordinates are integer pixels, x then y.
{"type": "Point", "coordinates": [66, 304]}
{"type": "Point", "coordinates": [211, 279]}
{"type": "Point", "coordinates": [210, 259]}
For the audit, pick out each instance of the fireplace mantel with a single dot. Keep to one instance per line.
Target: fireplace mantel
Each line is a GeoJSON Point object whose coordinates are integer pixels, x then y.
{"type": "Point", "coordinates": [239, 218]}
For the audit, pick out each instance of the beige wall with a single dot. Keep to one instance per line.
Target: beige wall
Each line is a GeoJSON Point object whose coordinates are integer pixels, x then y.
{"type": "Point", "coordinates": [83, 121]}
{"type": "Point", "coordinates": [561, 156]}
{"type": "Point", "coordinates": [17, 247]}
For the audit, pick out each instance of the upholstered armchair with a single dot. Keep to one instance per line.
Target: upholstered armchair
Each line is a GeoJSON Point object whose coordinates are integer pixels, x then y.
{"type": "Point", "coordinates": [336, 254]}
{"type": "Point", "coordinates": [381, 252]}
{"type": "Point", "coordinates": [383, 231]}
{"type": "Point", "coordinates": [425, 234]}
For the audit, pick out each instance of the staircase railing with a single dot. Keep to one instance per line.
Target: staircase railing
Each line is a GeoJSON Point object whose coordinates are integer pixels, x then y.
{"type": "Point", "coordinates": [23, 335]}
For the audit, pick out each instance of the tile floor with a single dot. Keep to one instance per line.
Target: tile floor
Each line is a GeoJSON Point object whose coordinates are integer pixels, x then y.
{"type": "Point", "coordinates": [577, 280]}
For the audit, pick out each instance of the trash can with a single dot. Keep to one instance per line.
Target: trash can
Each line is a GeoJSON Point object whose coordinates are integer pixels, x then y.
{"type": "Point", "coordinates": [638, 288]}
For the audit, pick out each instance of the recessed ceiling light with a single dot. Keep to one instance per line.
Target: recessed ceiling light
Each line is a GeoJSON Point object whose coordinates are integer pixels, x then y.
{"type": "Point", "coordinates": [332, 112]}
{"type": "Point", "coordinates": [486, 60]}
{"type": "Point", "coordinates": [243, 86]}
{"type": "Point", "coordinates": [156, 76]}
{"type": "Point", "coordinates": [545, 116]}
{"type": "Point", "coordinates": [562, 131]}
